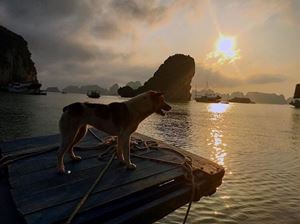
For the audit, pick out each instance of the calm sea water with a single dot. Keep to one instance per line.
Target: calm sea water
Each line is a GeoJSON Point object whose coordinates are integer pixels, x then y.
{"type": "Point", "coordinates": [259, 146]}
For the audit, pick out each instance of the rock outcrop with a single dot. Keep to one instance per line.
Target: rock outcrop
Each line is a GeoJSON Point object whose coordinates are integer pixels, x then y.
{"type": "Point", "coordinates": [15, 59]}
{"type": "Point", "coordinates": [173, 78]}
{"type": "Point", "coordinates": [134, 85]}
{"type": "Point", "coordinates": [268, 98]}
{"type": "Point", "coordinates": [113, 90]}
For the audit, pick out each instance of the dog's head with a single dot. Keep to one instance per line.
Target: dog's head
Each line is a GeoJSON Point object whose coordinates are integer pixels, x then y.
{"type": "Point", "coordinates": [159, 103]}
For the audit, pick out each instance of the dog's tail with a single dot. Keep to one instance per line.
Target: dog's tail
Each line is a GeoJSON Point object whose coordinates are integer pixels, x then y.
{"type": "Point", "coordinates": [74, 108]}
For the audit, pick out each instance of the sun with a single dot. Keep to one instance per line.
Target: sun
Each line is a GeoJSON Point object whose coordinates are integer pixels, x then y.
{"type": "Point", "coordinates": [225, 50]}
{"type": "Point", "coordinates": [226, 46]}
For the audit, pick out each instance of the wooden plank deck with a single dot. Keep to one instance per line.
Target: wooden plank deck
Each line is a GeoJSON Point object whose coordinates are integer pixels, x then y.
{"type": "Point", "coordinates": [144, 195]}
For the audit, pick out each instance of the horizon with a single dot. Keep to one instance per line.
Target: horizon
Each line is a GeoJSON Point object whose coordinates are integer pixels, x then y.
{"type": "Point", "coordinates": [237, 46]}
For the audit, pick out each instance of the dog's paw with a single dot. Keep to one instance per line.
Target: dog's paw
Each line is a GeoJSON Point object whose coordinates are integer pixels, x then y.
{"type": "Point", "coordinates": [131, 166]}
{"type": "Point", "coordinates": [64, 172]}
{"type": "Point", "coordinates": [76, 158]}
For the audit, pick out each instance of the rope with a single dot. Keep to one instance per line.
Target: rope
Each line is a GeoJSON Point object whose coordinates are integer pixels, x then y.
{"type": "Point", "coordinates": [186, 164]}
{"type": "Point", "coordinates": [87, 194]}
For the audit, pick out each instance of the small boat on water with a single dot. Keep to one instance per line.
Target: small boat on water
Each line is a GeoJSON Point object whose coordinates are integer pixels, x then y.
{"type": "Point", "coordinates": [93, 94]}
{"type": "Point", "coordinates": [296, 99]}
{"type": "Point", "coordinates": [32, 88]}
{"type": "Point", "coordinates": [208, 98]}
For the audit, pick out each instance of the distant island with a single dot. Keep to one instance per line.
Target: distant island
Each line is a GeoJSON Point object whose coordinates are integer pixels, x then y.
{"type": "Point", "coordinates": [250, 97]}
{"type": "Point", "coordinates": [240, 100]}
{"type": "Point", "coordinates": [85, 88]}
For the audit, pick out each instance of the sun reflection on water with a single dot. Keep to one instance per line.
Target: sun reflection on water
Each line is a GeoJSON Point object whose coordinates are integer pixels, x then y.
{"type": "Point", "coordinates": [216, 134]}
{"type": "Point", "coordinates": [218, 107]}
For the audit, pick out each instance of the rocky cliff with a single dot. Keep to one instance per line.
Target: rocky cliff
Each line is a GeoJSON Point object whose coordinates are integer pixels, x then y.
{"type": "Point", "coordinates": [15, 59]}
{"type": "Point", "coordinates": [268, 98]}
{"type": "Point", "coordinates": [173, 78]}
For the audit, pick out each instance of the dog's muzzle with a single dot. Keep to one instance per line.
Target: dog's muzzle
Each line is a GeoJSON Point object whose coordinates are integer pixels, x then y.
{"type": "Point", "coordinates": [165, 107]}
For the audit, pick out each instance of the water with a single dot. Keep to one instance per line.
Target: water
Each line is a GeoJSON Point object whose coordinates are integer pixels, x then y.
{"type": "Point", "coordinates": [259, 146]}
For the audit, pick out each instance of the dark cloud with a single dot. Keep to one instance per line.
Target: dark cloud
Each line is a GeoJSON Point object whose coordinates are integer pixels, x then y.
{"type": "Point", "coordinates": [68, 38]}
{"type": "Point", "coordinates": [150, 11]}
{"type": "Point", "coordinates": [75, 41]}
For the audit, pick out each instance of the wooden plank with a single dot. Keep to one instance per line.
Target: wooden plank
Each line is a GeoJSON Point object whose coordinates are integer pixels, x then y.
{"type": "Point", "coordinates": [120, 209]}
{"type": "Point", "coordinates": [59, 212]}
{"type": "Point", "coordinates": [57, 181]}
{"type": "Point", "coordinates": [21, 176]}
{"type": "Point", "coordinates": [66, 192]}
{"type": "Point", "coordinates": [45, 161]}
{"type": "Point", "coordinates": [156, 209]}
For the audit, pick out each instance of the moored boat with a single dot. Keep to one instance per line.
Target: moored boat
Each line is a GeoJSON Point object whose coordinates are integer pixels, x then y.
{"type": "Point", "coordinates": [208, 98]}
{"type": "Point", "coordinates": [296, 99]}
{"type": "Point", "coordinates": [93, 94]}
{"type": "Point", "coordinates": [26, 88]}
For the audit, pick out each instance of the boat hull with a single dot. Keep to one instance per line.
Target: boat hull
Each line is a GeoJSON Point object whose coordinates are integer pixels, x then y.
{"type": "Point", "coordinates": [296, 103]}
{"type": "Point", "coordinates": [207, 100]}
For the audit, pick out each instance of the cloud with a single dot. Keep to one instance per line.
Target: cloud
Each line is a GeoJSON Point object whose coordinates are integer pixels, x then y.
{"type": "Point", "coordinates": [217, 79]}
{"type": "Point", "coordinates": [266, 78]}
{"type": "Point", "coordinates": [84, 40]}
{"type": "Point", "coordinates": [214, 78]}
{"type": "Point", "coordinates": [75, 41]}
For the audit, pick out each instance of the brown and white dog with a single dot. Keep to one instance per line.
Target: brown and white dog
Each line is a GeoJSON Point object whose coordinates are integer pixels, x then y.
{"type": "Point", "coordinates": [117, 119]}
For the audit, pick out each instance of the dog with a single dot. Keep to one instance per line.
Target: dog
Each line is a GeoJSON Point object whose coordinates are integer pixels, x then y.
{"type": "Point", "coordinates": [119, 119]}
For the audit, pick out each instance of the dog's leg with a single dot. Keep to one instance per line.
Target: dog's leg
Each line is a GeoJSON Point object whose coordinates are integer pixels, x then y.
{"type": "Point", "coordinates": [79, 136]}
{"type": "Point", "coordinates": [68, 131]}
{"type": "Point", "coordinates": [123, 143]}
{"type": "Point", "coordinates": [120, 155]}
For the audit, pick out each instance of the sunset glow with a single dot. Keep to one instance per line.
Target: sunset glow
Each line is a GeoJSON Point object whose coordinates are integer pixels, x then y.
{"type": "Point", "coordinates": [225, 50]}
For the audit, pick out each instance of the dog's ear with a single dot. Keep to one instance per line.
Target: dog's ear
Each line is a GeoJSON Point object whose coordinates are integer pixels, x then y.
{"type": "Point", "coordinates": [156, 93]}
{"type": "Point", "coordinates": [156, 96]}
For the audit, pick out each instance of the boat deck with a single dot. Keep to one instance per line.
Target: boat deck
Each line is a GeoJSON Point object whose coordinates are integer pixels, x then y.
{"type": "Point", "coordinates": [31, 191]}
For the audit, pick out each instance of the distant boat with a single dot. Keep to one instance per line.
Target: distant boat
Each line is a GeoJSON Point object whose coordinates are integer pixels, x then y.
{"type": "Point", "coordinates": [296, 99]}
{"type": "Point", "coordinates": [207, 96]}
{"type": "Point", "coordinates": [26, 88]}
{"type": "Point", "coordinates": [240, 100]}
{"type": "Point", "coordinates": [93, 94]}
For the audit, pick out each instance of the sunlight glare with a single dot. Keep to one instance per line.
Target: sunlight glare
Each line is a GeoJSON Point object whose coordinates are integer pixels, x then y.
{"type": "Point", "coordinates": [225, 50]}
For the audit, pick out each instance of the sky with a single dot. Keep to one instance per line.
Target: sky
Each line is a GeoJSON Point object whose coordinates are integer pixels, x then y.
{"type": "Point", "coordinates": [79, 42]}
